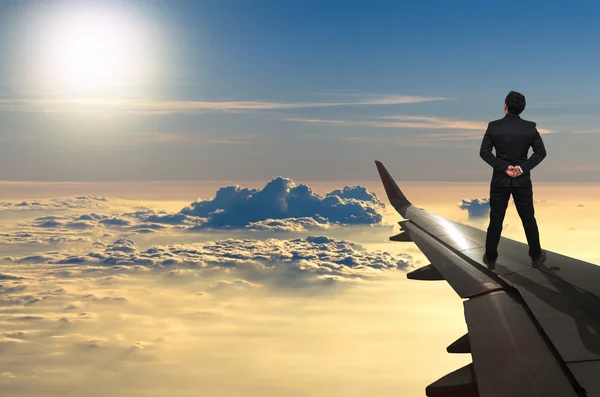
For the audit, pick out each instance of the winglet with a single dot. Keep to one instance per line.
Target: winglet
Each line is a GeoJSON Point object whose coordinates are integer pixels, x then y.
{"type": "Point", "coordinates": [395, 195]}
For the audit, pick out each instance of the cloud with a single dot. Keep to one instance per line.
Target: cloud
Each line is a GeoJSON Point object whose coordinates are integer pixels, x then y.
{"type": "Point", "coordinates": [168, 107]}
{"type": "Point", "coordinates": [141, 221]}
{"type": "Point", "coordinates": [5, 276]}
{"type": "Point", "coordinates": [74, 228]}
{"type": "Point", "coordinates": [237, 207]}
{"type": "Point", "coordinates": [41, 237]}
{"type": "Point", "coordinates": [290, 224]}
{"type": "Point", "coordinates": [236, 284]}
{"type": "Point", "coordinates": [104, 299]}
{"type": "Point", "coordinates": [476, 208]}
{"type": "Point", "coordinates": [412, 122]}
{"type": "Point", "coordinates": [57, 203]}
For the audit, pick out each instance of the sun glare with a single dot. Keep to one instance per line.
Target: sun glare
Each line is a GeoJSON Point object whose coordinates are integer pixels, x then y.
{"type": "Point", "coordinates": [92, 51]}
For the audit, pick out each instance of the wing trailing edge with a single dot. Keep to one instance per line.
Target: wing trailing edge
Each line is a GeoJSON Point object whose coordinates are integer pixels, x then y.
{"type": "Point", "coordinates": [460, 383]}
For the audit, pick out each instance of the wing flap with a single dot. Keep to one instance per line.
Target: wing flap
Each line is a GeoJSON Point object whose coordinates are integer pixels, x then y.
{"type": "Point", "coordinates": [587, 375]}
{"type": "Point", "coordinates": [510, 356]}
{"type": "Point", "coordinates": [568, 316]}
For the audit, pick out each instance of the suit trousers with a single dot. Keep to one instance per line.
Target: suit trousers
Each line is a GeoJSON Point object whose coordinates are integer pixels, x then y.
{"type": "Point", "coordinates": [523, 198]}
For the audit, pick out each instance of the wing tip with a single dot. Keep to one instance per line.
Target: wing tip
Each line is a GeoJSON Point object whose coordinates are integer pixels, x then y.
{"type": "Point", "coordinates": [395, 195]}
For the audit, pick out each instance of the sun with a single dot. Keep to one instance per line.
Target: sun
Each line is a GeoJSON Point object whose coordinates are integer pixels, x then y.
{"type": "Point", "coordinates": [90, 51]}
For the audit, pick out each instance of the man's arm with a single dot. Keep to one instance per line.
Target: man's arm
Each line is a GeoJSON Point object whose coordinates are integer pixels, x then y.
{"type": "Point", "coordinates": [486, 153]}
{"type": "Point", "coordinates": [539, 152]}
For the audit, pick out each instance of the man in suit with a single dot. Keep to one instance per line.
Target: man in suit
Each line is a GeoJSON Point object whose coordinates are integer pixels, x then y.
{"type": "Point", "coordinates": [512, 137]}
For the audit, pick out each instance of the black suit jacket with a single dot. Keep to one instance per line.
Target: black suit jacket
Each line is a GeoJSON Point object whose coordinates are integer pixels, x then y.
{"type": "Point", "coordinates": [512, 137]}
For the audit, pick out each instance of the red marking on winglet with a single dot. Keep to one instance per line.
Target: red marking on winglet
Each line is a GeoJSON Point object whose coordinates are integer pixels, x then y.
{"type": "Point", "coordinates": [392, 190]}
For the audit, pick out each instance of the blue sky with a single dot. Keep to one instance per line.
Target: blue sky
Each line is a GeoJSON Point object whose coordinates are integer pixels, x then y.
{"type": "Point", "coordinates": [241, 90]}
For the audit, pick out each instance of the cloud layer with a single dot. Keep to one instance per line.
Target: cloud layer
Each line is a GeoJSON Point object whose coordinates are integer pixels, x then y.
{"type": "Point", "coordinates": [290, 262]}
{"type": "Point", "coordinates": [178, 330]}
{"type": "Point", "coordinates": [41, 237]}
{"type": "Point", "coordinates": [94, 322]}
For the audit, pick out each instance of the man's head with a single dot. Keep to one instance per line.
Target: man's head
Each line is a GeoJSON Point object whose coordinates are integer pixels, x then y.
{"type": "Point", "coordinates": [514, 103]}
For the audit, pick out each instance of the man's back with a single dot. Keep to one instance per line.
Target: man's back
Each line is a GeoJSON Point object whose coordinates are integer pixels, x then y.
{"type": "Point", "coordinates": [512, 137]}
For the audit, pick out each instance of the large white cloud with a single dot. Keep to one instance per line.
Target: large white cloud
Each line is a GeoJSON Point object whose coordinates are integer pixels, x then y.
{"type": "Point", "coordinates": [235, 207]}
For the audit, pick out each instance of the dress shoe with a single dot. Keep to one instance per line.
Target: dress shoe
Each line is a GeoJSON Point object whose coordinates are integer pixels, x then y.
{"type": "Point", "coordinates": [537, 262]}
{"type": "Point", "coordinates": [489, 261]}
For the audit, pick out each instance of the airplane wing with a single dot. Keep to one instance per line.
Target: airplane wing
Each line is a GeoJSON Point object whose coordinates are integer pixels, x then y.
{"type": "Point", "coordinates": [531, 331]}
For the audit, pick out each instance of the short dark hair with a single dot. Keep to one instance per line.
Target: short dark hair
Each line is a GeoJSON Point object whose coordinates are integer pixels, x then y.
{"type": "Point", "coordinates": [515, 102]}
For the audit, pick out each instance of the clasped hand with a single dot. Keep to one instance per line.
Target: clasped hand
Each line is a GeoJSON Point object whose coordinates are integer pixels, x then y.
{"type": "Point", "coordinates": [513, 171]}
